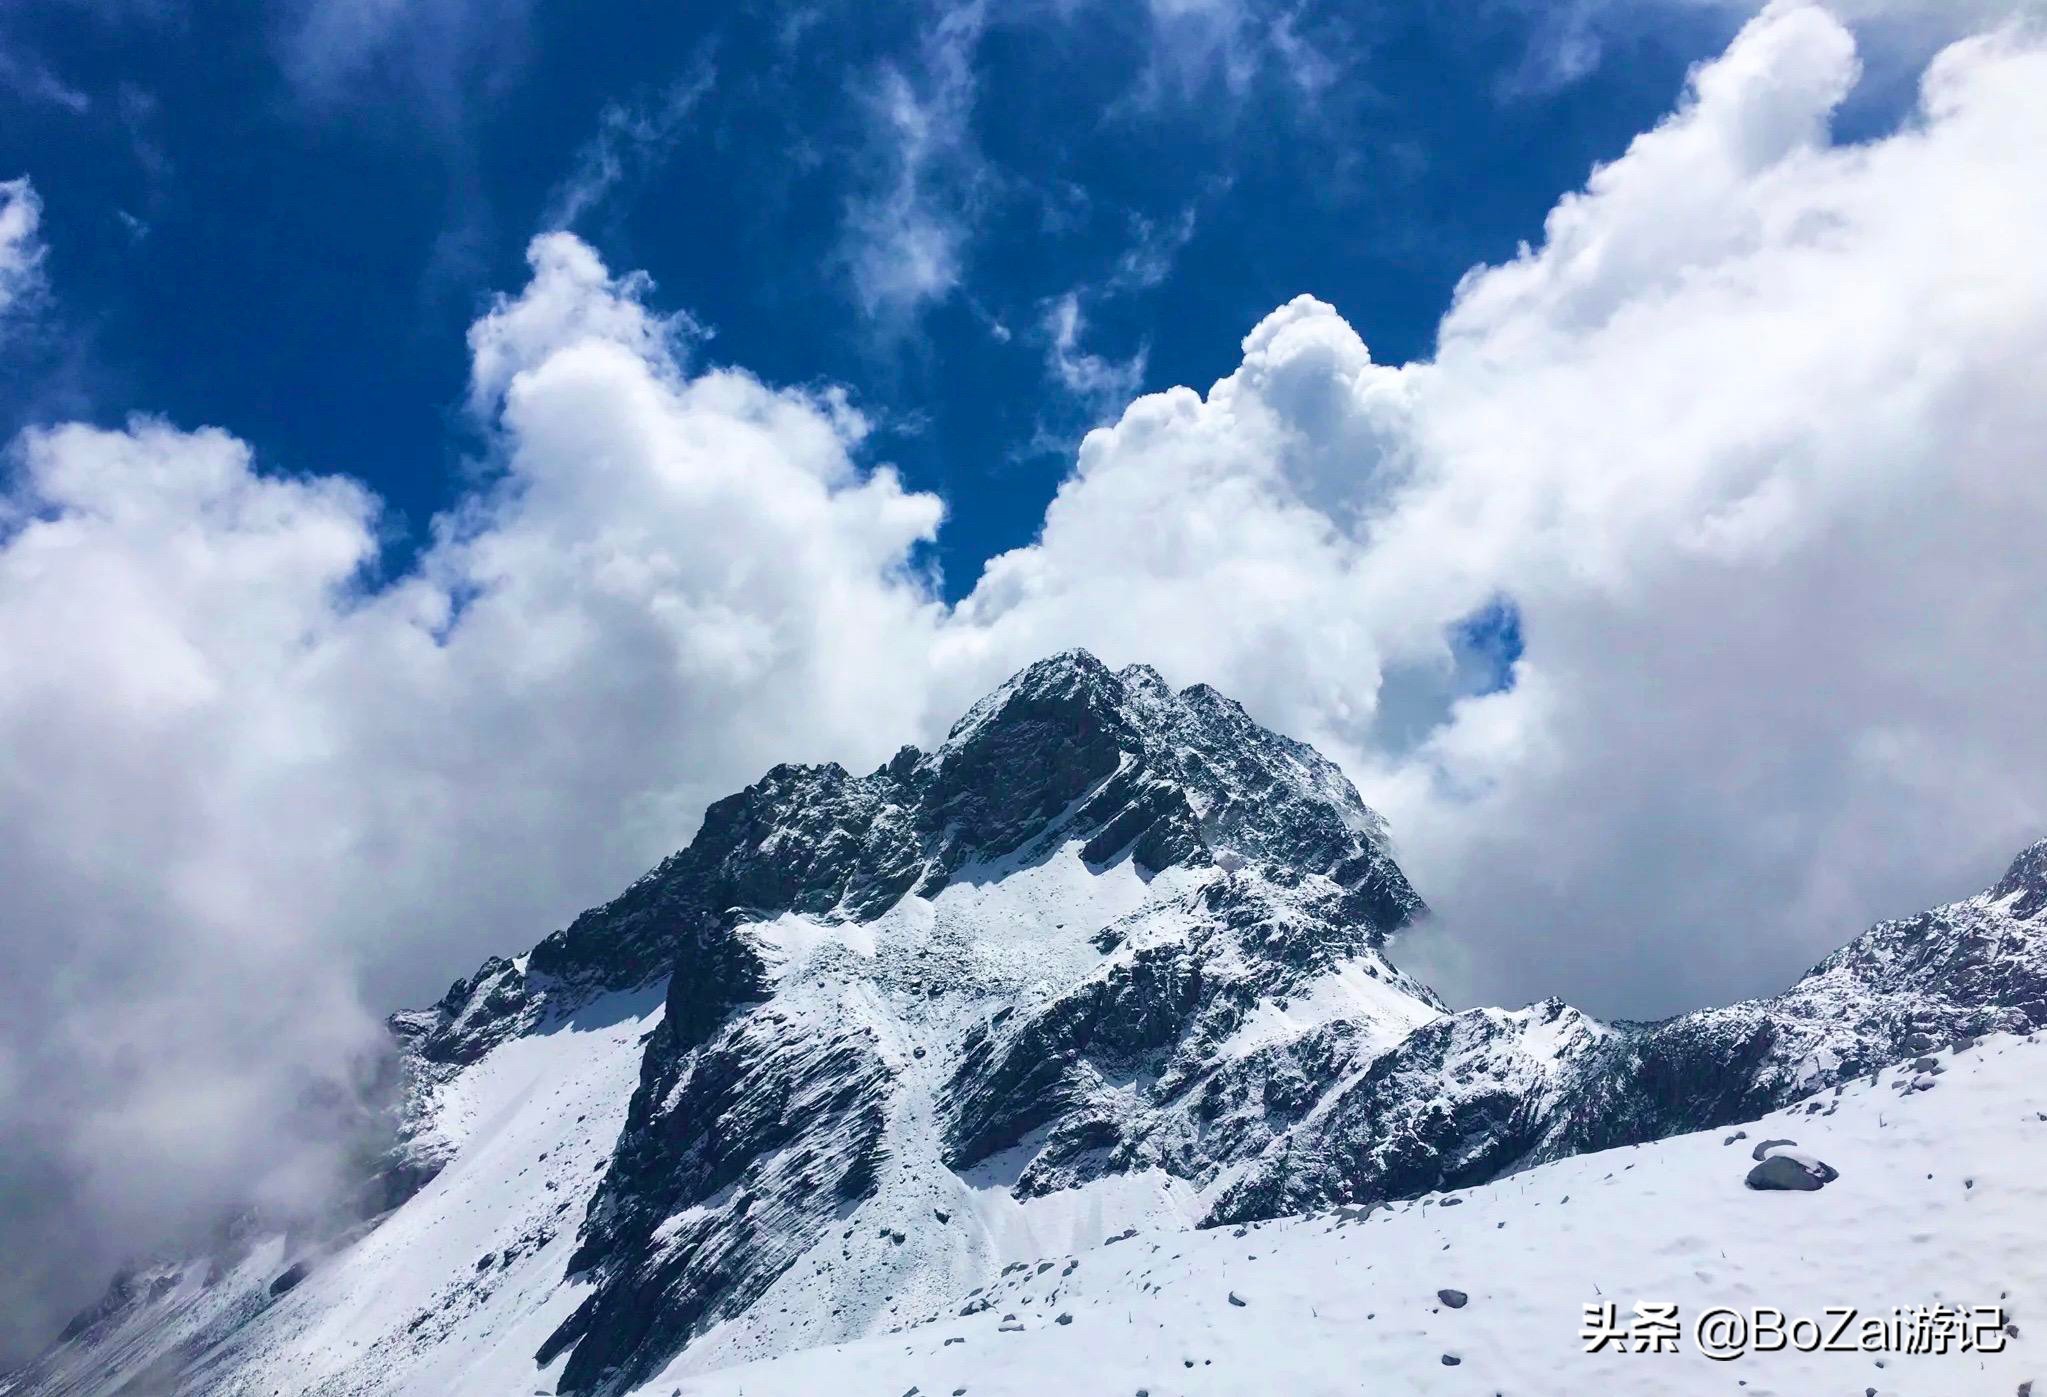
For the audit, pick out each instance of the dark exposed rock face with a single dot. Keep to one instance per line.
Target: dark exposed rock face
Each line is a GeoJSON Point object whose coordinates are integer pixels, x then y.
{"type": "Point", "coordinates": [1483, 1091]}
{"type": "Point", "coordinates": [758, 1140]}
{"type": "Point", "coordinates": [794, 1112]}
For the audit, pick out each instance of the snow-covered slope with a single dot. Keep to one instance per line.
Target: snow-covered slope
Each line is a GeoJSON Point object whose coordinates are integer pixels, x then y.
{"type": "Point", "coordinates": [1941, 1201]}
{"type": "Point", "coordinates": [1112, 957]}
{"type": "Point", "coordinates": [451, 1292]}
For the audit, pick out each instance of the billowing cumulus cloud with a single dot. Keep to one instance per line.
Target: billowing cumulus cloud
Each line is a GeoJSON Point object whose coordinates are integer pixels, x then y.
{"type": "Point", "coordinates": [1747, 443]}
{"type": "Point", "coordinates": [1750, 443]}
{"type": "Point", "coordinates": [244, 794]}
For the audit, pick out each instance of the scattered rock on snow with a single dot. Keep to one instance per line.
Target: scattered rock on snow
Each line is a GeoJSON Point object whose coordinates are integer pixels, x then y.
{"type": "Point", "coordinates": [1792, 1171]}
{"type": "Point", "coordinates": [1455, 1299]}
{"type": "Point", "coordinates": [1236, 1299]}
{"type": "Point", "coordinates": [1766, 1146]}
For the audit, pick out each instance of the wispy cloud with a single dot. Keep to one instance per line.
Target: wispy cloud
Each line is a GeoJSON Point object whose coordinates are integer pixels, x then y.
{"type": "Point", "coordinates": [1099, 383]}
{"type": "Point", "coordinates": [436, 53]}
{"type": "Point", "coordinates": [1103, 384]}
{"type": "Point", "coordinates": [1198, 50]}
{"type": "Point", "coordinates": [904, 238]}
{"type": "Point", "coordinates": [1154, 247]}
{"type": "Point", "coordinates": [21, 247]}
{"type": "Point", "coordinates": [27, 77]}
{"type": "Point", "coordinates": [630, 139]}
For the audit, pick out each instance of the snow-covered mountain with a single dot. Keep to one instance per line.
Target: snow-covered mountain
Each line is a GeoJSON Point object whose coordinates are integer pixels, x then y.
{"type": "Point", "coordinates": [1111, 958]}
{"type": "Point", "coordinates": [1941, 1203]}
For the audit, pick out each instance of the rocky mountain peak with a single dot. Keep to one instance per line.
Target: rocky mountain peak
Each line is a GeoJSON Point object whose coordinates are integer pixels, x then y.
{"type": "Point", "coordinates": [1066, 751]}
{"type": "Point", "coordinates": [2025, 880]}
{"type": "Point", "coordinates": [1070, 746]}
{"type": "Point", "coordinates": [1036, 940]}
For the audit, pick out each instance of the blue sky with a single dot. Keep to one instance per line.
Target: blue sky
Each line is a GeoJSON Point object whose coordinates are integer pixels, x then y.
{"type": "Point", "coordinates": [286, 227]}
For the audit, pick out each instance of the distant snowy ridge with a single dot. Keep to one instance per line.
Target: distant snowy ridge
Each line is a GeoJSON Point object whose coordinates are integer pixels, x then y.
{"type": "Point", "coordinates": [1940, 1202]}
{"type": "Point", "coordinates": [1112, 957]}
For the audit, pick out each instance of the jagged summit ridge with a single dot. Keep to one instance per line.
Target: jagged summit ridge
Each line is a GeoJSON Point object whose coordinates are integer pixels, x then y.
{"type": "Point", "coordinates": [1066, 749]}
{"type": "Point", "coordinates": [2025, 881]}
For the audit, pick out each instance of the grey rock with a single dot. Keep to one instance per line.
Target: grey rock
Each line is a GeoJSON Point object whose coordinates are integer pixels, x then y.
{"type": "Point", "coordinates": [1791, 1173]}
{"type": "Point", "coordinates": [1455, 1299]}
{"type": "Point", "coordinates": [1764, 1147]}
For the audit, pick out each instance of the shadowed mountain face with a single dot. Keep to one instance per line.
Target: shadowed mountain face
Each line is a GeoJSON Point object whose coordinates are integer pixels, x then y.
{"type": "Point", "coordinates": [1112, 956]}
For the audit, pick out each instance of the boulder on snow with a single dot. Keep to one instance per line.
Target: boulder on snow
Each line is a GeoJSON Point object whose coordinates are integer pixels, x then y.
{"type": "Point", "coordinates": [1793, 1171]}
{"type": "Point", "coordinates": [1764, 1147]}
{"type": "Point", "coordinates": [1455, 1299]}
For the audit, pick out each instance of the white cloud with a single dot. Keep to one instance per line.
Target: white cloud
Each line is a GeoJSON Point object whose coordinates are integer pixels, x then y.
{"type": "Point", "coordinates": [905, 235]}
{"type": "Point", "coordinates": [1154, 246]}
{"type": "Point", "coordinates": [25, 76]}
{"type": "Point", "coordinates": [241, 795]}
{"type": "Point", "coordinates": [435, 54]}
{"type": "Point", "coordinates": [1220, 54]}
{"type": "Point", "coordinates": [629, 139]}
{"type": "Point", "coordinates": [1193, 40]}
{"type": "Point", "coordinates": [1099, 383]}
{"type": "Point", "coordinates": [21, 245]}
{"type": "Point", "coordinates": [1570, 39]}
{"type": "Point", "coordinates": [1751, 442]}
